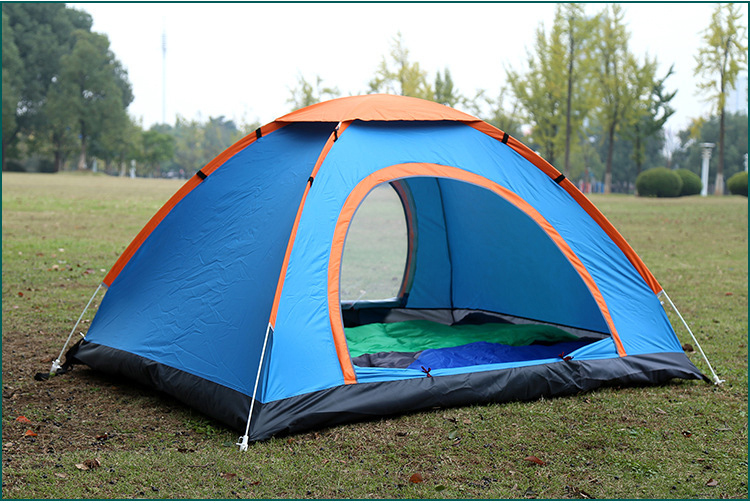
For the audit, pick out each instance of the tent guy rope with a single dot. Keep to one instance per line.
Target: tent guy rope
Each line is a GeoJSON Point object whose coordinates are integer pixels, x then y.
{"type": "Point", "coordinates": [716, 379]}
{"type": "Point", "coordinates": [56, 365]}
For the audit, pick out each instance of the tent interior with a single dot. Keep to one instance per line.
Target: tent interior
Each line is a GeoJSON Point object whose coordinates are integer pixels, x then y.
{"type": "Point", "coordinates": [440, 273]}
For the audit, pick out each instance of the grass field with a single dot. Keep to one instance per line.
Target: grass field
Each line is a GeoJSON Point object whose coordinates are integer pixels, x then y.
{"type": "Point", "coordinates": [684, 440]}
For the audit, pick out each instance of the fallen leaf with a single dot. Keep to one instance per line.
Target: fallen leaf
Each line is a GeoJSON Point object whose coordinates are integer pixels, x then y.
{"type": "Point", "coordinates": [467, 421]}
{"type": "Point", "coordinates": [228, 476]}
{"type": "Point", "coordinates": [534, 459]}
{"type": "Point", "coordinates": [686, 434]}
{"type": "Point", "coordinates": [23, 419]}
{"type": "Point", "coordinates": [256, 483]}
{"type": "Point", "coordinates": [92, 463]}
{"type": "Point", "coordinates": [728, 294]}
{"type": "Point", "coordinates": [416, 479]}
{"type": "Point", "coordinates": [687, 347]}
{"type": "Point", "coordinates": [660, 411]}
{"type": "Point", "coordinates": [49, 359]}
{"type": "Point", "coordinates": [441, 487]}
{"type": "Point", "coordinates": [29, 433]}
{"type": "Point", "coordinates": [61, 475]}
{"type": "Point", "coordinates": [102, 437]}
{"type": "Point", "coordinates": [81, 466]}
{"type": "Point", "coordinates": [712, 483]}
{"type": "Point", "coordinates": [20, 294]}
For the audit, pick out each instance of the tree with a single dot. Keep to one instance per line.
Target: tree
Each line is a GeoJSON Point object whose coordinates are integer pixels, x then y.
{"type": "Point", "coordinates": [157, 148]}
{"type": "Point", "coordinates": [541, 93]}
{"type": "Point", "coordinates": [400, 76]}
{"type": "Point", "coordinates": [494, 111]}
{"type": "Point", "coordinates": [615, 72]}
{"type": "Point", "coordinates": [92, 91]}
{"type": "Point", "coordinates": [42, 34]}
{"type": "Point", "coordinates": [577, 29]}
{"type": "Point", "coordinates": [719, 61]}
{"type": "Point", "coordinates": [556, 91]}
{"type": "Point", "coordinates": [445, 92]}
{"type": "Point", "coordinates": [307, 94]}
{"type": "Point", "coordinates": [688, 156]}
{"type": "Point", "coordinates": [12, 70]}
{"type": "Point", "coordinates": [650, 108]}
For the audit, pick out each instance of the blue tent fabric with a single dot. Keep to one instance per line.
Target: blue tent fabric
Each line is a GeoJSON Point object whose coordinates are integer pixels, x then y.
{"type": "Point", "coordinates": [189, 311]}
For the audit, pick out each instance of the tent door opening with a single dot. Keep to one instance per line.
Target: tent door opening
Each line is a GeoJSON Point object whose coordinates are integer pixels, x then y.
{"type": "Point", "coordinates": [442, 273]}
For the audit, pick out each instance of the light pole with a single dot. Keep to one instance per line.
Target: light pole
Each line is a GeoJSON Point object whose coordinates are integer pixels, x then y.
{"type": "Point", "coordinates": [704, 168]}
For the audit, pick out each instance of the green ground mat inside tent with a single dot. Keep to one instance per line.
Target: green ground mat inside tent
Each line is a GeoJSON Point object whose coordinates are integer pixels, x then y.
{"type": "Point", "coordinates": [418, 335]}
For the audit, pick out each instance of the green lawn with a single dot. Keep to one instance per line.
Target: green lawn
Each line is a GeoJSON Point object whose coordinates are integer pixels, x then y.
{"type": "Point", "coordinates": [685, 440]}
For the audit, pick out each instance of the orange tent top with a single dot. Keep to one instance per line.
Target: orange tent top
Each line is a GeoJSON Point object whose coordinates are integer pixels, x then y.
{"type": "Point", "coordinates": [376, 107]}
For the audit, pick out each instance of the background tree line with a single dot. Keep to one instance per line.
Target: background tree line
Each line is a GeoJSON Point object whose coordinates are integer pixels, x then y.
{"type": "Point", "coordinates": [65, 99]}
{"type": "Point", "coordinates": [583, 100]}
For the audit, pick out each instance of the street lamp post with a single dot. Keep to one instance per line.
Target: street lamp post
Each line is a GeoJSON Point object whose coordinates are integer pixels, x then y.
{"type": "Point", "coordinates": [704, 168]}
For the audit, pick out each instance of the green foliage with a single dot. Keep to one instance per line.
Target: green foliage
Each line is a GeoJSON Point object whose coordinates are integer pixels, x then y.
{"type": "Point", "coordinates": [707, 130]}
{"type": "Point", "coordinates": [737, 183]}
{"type": "Point", "coordinates": [445, 92]}
{"type": "Point", "coordinates": [306, 94]}
{"type": "Point", "coordinates": [42, 33]}
{"type": "Point", "coordinates": [400, 76]}
{"type": "Point", "coordinates": [691, 183]}
{"type": "Point", "coordinates": [723, 54]}
{"type": "Point", "coordinates": [659, 182]}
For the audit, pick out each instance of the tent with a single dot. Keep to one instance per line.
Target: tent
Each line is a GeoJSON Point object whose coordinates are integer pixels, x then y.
{"type": "Point", "coordinates": [514, 285]}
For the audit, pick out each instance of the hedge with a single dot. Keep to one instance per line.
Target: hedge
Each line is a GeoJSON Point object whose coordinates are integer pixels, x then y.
{"type": "Point", "coordinates": [659, 182]}
{"type": "Point", "coordinates": [691, 183]}
{"type": "Point", "coordinates": [737, 183]}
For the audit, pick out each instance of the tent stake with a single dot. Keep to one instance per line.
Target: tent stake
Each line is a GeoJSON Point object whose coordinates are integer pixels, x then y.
{"type": "Point", "coordinates": [717, 381]}
{"type": "Point", "coordinates": [243, 440]}
{"type": "Point", "coordinates": [56, 364]}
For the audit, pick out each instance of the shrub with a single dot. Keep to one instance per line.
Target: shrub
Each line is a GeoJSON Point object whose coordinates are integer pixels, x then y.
{"type": "Point", "coordinates": [691, 183]}
{"type": "Point", "coordinates": [659, 182]}
{"type": "Point", "coordinates": [737, 183]}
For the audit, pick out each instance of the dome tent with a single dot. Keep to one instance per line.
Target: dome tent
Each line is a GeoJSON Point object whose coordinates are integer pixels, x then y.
{"type": "Point", "coordinates": [515, 286]}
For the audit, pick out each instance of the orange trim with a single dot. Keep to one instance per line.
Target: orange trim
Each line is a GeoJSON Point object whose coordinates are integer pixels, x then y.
{"type": "Point", "coordinates": [192, 183]}
{"type": "Point", "coordinates": [280, 285]}
{"type": "Point", "coordinates": [579, 197]}
{"type": "Point", "coordinates": [376, 107]}
{"type": "Point", "coordinates": [427, 169]}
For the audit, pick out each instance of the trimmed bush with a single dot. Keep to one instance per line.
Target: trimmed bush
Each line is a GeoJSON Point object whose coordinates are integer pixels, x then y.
{"type": "Point", "coordinates": [658, 182]}
{"type": "Point", "coordinates": [691, 183]}
{"type": "Point", "coordinates": [737, 183]}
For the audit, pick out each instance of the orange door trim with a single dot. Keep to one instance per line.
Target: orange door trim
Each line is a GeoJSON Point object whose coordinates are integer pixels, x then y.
{"type": "Point", "coordinates": [396, 171]}
{"type": "Point", "coordinates": [576, 194]}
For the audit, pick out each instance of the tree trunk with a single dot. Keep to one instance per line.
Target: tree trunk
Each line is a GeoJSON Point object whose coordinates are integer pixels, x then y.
{"type": "Point", "coordinates": [571, 53]}
{"type": "Point", "coordinates": [719, 190]}
{"type": "Point", "coordinates": [82, 157]}
{"type": "Point", "coordinates": [610, 152]}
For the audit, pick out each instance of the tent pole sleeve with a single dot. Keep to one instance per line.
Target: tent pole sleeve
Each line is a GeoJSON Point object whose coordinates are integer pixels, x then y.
{"type": "Point", "coordinates": [243, 441]}
{"type": "Point", "coordinates": [717, 381]}
{"type": "Point", "coordinates": [56, 364]}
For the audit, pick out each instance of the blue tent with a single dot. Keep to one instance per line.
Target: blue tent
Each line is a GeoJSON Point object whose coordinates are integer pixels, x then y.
{"type": "Point", "coordinates": [515, 285]}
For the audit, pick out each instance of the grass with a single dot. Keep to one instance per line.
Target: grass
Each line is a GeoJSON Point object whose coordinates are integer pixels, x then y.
{"type": "Point", "coordinates": [684, 440]}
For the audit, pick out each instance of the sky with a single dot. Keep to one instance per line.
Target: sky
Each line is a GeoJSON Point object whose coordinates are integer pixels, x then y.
{"type": "Point", "coordinates": [242, 60]}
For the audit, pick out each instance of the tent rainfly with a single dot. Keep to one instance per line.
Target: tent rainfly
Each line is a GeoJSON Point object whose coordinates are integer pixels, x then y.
{"type": "Point", "coordinates": [514, 285]}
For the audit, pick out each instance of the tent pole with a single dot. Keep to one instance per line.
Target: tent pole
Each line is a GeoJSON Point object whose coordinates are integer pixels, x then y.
{"type": "Point", "coordinates": [717, 381]}
{"type": "Point", "coordinates": [56, 364]}
{"type": "Point", "coordinates": [243, 440]}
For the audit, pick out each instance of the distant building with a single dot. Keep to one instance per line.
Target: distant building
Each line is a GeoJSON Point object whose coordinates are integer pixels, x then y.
{"type": "Point", "coordinates": [737, 97]}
